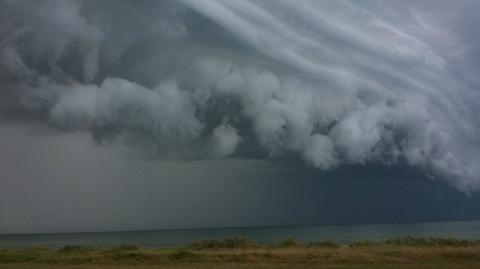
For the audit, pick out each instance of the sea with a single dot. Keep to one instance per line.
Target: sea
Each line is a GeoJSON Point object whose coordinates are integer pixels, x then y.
{"type": "Point", "coordinates": [341, 234]}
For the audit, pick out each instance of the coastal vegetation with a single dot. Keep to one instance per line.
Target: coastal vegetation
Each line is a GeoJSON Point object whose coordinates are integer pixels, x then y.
{"type": "Point", "coordinates": [407, 252]}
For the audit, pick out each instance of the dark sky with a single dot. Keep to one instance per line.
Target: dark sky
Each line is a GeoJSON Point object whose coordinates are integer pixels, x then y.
{"type": "Point", "coordinates": [126, 115]}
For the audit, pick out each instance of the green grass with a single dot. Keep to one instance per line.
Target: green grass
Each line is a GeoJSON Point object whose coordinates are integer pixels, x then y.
{"type": "Point", "coordinates": [405, 252]}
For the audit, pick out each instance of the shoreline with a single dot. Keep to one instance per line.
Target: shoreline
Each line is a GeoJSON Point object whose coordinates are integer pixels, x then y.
{"type": "Point", "coordinates": [343, 234]}
{"type": "Point", "coordinates": [243, 227]}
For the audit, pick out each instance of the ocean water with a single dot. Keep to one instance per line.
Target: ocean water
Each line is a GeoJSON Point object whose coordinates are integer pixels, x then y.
{"type": "Point", "coordinates": [342, 234]}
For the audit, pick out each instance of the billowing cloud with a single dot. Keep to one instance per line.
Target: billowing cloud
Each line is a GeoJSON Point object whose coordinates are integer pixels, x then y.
{"type": "Point", "coordinates": [331, 83]}
{"type": "Point", "coordinates": [225, 140]}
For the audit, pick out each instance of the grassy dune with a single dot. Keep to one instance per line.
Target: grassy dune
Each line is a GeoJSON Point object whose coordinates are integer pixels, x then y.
{"type": "Point", "coordinates": [243, 253]}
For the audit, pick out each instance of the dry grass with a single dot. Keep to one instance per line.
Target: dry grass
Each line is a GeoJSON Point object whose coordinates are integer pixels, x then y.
{"type": "Point", "coordinates": [242, 253]}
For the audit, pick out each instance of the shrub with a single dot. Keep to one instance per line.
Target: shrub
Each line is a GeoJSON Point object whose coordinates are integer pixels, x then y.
{"type": "Point", "coordinates": [125, 247]}
{"type": "Point", "coordinates": [364, 243]}
{"type": "Point", "coordinates": [72, 248]}
{"type": "Point", "coordinates": [230, 243]}
{"type": "Point", "coordinates": [182, 255]}
{"type": "Point", "coordinates": [131, 257]}
{"type": "Point", "coordinates": [324, 244]}
{"type": "Point", "coordinates": [412, 241]}
{"type": "Point", "coordinates": [289, 243]}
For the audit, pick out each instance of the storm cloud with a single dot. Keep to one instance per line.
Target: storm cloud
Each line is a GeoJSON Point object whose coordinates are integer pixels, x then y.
{"type": "Point", "coordinates": [328, 83]}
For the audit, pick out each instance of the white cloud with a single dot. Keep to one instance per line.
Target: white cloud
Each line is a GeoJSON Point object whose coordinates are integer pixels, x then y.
{"type": "Point", "coordinates": [225, 140]}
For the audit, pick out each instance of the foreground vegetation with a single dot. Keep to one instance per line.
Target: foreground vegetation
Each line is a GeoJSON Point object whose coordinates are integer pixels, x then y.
{"type": "Point", "coordinates": [242, 253]}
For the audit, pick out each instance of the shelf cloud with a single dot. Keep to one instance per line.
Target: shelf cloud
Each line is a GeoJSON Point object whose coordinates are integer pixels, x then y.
{"type": "Point", "coordinates": [328, 83]}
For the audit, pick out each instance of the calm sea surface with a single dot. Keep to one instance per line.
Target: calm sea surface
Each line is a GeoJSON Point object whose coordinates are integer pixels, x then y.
{"type": "Point", "coordinates": [342, 234]}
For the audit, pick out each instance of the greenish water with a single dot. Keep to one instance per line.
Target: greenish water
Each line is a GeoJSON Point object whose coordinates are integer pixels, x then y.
{"type": "Point", "coordinates": [342, 234]}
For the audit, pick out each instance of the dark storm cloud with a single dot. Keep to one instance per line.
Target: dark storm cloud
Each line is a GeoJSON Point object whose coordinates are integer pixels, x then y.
{"type": "Point", "coordinates": [332, 83]}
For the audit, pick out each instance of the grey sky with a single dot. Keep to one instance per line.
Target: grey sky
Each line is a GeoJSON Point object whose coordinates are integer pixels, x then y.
{"type": "Point", "coordinates": [65, 183]}
{"type": "Point", "coordinates": [127, 114]}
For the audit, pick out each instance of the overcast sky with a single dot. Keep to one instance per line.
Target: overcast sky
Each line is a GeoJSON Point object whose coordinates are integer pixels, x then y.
{"type": "Point", "coordinates": [121, 115]}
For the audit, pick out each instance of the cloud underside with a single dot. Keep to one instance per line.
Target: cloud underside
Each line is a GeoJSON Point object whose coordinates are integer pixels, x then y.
{"type": "Point", "coordinates": [330, 83]}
